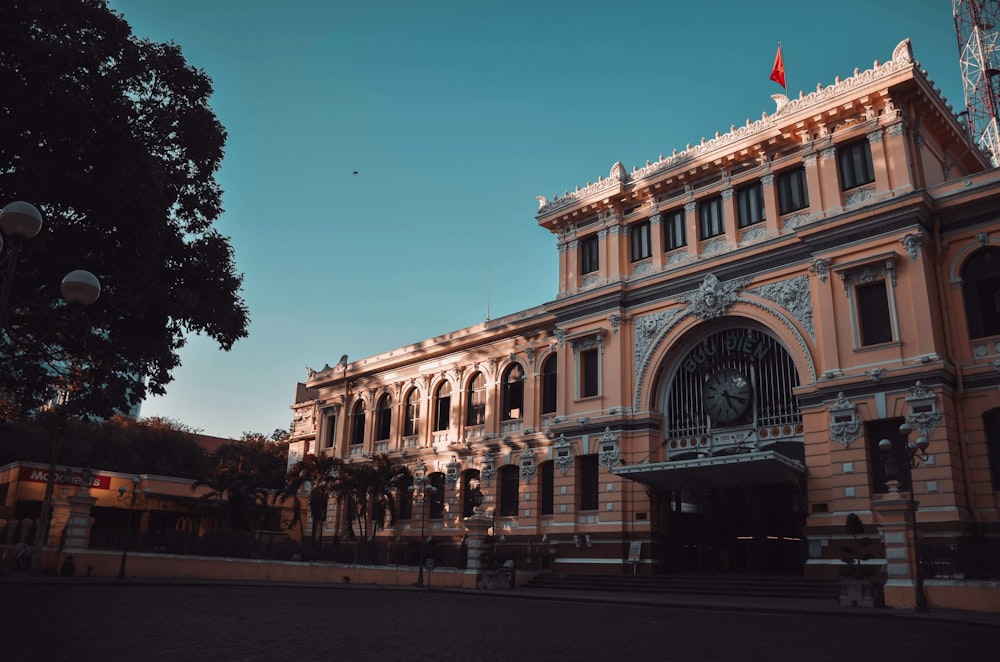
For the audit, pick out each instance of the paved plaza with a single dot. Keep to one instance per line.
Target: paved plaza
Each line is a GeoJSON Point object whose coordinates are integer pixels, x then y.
{"type": "Point", "coordinates": [73, 620]}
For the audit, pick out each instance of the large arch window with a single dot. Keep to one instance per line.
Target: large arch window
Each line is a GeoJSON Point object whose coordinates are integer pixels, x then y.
{"type": "Point", "coordinates": [411, 424]}
{"type": "Point", "coordinates": [759, 377]}
{"type": "Point", "coordinates": [442, 407]}
{"type": "Point", "coordinates": [358, 424]}
{"type": "Point", "coordinates": [981, 292]}
{"type": "Point", "coordinates": [476, 410]}
{"type": "Point", "coordinates": [549, 376]}
{"type": "Point", "coordinates": [509, 487]}
{"type": "Point", "coordinates": [513, 392]}
{"type": "Point", "coordinates": [383, 417]}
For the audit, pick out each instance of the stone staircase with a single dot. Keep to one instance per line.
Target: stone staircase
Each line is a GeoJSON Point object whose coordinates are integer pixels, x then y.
{"type": "Point", "coordinates": [769, 586]}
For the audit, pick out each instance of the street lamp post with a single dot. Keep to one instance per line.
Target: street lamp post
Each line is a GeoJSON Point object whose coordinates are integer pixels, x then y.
{"type": "Point", "coordinates": [129, 499]}
{"type": "Point", "coordinates": [420, 489]}
{"type": "Point", "coordinates": [19, 222]}
{"type": "Point", "coordinates": [899, 465]}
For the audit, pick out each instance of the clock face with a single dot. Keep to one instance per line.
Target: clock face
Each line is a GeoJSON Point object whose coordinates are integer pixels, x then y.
{"type": "Point", "coordinates": [728, 396]}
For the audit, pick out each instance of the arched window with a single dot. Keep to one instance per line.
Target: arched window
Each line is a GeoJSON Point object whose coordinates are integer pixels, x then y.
{"type": "Point", "coordinates": [358, 423]}
{"type": "Point", "coordinates": [981, 292]}
{"type": "Point", "coordinates": [383, 417]}
{"type": "Point", "coordinates": [509, 485]}
{"type": "Point", "coordinates": [411, 424]}
{"type": "Point", "coordinates": [442, 407]}
{"type": "Point", "coordinates": [476, 412]}
{"type": "Point", "coordinates": [549, 375]}
{"type": "Point", "coordinates": [513, 392]}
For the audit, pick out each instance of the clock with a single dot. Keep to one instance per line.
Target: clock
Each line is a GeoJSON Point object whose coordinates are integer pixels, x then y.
{"type": "Point", "coordinates": [728, 395]}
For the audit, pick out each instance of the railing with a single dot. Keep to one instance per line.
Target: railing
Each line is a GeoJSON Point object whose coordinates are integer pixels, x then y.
{"type": "Point", "coordinates": [965, 559]}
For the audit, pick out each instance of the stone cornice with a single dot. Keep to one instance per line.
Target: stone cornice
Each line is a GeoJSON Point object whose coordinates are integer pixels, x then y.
{"type": "Point", "coordinates": [902, 61]}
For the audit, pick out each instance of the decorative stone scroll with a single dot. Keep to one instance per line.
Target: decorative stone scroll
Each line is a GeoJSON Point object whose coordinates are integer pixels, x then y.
{"type": "Point", "coordinates": [528, 467]}
{"type": "Point", "coordinates": [793, 295]}
{"type": "Point", "coordinates": [924, 414]}
{"type": "Point", "coordinates": [845, 426]}
{"type": "Point", "coordinates": [564, 454]}
{"type": "Point", "coordinates": [609, 454]}
{"type": "Point", "coordinates": [451, 472]}
{"type": "Point", "coordinates": [488, 472]}
{"type": "Point", "coordinates": [713, 298]}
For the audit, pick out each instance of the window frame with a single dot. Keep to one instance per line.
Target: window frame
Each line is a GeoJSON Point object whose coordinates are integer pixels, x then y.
{"type": "Point", "coordinates": [874, 327]}
{"type": "Point", "coordinates": [588, 482]}
{"type": "Point", "coordinates": [442, 407]}
{"type": "Point", "coordinates": [750, 204]}
{"type": "Point", "coordinates": [475, 405]}
{"type": "Point", "coordinates": [512, 393]}
{"type": "Point", "coordinates": [641, 241]}
{"type": "Point", "coordinates": [411, 419]}
{"type": "Point", "coordinates": [978, 289]}
{"type": "Point", "coordinates": [358, 423]}
{"type": "Point", "coordinates": [854, 164]}
{"type": "Point", "coordinates": [793, 190]}
{"type": "Point", "coordinates": [674, 229]}
{"type": "Point", "coordinates": [550, 384]}
{"type": "Point", "coordinates": [590, 254]}
{"type": "Point", "coordinates": [711, 221]}
{"type": "Point", "coordinates": [589, 372]}
{"type": "Point", "coordinates": [383, 418]}
{"type": "Point", "coordinates": [509, 487]}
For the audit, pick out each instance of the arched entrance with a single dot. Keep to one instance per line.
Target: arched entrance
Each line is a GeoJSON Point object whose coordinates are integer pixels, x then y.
{"type": "Point", "coordinates": [730, 486]}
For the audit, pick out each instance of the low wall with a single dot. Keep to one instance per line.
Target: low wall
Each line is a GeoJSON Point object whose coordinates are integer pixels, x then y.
{"type": "Point", "coordinates": [97, 563]}
{"type": "Point", "coordinates": [965, 595]}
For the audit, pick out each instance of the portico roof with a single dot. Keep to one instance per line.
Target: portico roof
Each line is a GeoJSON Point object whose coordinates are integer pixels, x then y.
{"type": "Point", "coordinates": [754, 468]}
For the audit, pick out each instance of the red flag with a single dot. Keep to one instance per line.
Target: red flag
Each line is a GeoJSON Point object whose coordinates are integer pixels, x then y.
{"type": "Point", "coordinates": [778, 71]}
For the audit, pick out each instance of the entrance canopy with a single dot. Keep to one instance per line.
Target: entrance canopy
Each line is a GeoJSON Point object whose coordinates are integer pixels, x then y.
{"type": "Point", "coordinates": [755, 468]}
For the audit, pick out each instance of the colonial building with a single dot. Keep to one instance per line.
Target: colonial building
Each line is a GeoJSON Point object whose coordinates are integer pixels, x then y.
{"type": "Point", "coordinates": [736, 328]}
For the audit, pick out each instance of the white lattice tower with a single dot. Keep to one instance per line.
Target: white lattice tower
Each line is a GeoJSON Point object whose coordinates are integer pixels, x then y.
{"type": "Point", "coordinates": [977, 23]}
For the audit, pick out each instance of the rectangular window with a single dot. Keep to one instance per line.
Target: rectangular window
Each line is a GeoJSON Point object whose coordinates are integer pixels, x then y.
{"type": "Point", "coordinates": [548, 487]}
{"type": "Point", "coordinates": [509, 484]}
{"type": "Point", "coordinates": [641, 244]}
{"type": "Point", "coordinates": [589, 256]}
{"type": "Point", "coordinates": [589, 373]}
{"type": "Point", "coordinates": [874, 322]}
{"type": "Point", "coordinates": [710, 217]}
{"type": "Point", "coordinates": [855, 163]}
{"type": "Point", "coordinates": [991, 421]}
{"type": "Point", "coordinates": [876, 431]}
{"type": "Point", "coordinates": [674, 233]}
{"type": "Point", "coordinates": [588, 482]}
{"type": "Point", "coordinates": [793, 192]}
{"type": "Point", "coordinates": [331, 431]}
{"type": "Point", "coordinates": [750, 204]}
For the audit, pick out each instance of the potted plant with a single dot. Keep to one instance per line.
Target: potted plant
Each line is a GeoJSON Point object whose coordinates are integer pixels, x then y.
{"type": "Point", "coordinates": [859, 587]}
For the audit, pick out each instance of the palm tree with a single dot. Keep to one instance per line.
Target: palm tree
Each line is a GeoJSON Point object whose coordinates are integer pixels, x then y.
{"type": "Point", "coordinates": [371, 489]}
{"type": "Point", "coordinates": [234, 491]}
{"type": "Point", "coordinates": [321, 476]}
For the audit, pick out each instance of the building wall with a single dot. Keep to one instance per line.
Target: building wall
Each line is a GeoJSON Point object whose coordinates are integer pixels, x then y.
{"type": "Point", "coordinates": [923, 207]}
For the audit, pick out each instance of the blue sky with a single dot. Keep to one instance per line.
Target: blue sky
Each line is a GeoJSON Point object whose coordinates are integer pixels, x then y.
{"type": "Point", "coordinates": [456, 116]}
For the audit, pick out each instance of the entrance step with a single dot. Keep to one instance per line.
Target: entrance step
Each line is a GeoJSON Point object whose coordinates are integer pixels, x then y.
{"type": "Point", "coordinates": [771, 586]}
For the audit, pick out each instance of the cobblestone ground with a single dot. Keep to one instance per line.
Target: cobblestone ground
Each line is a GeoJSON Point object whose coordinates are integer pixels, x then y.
{"type": "Point", "coordinates": [150, 623]}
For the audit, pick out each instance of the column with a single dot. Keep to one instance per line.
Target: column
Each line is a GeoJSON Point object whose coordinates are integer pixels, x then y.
{"type": "Point", "coordinates": [829, 180]}
{"type": "Point", "coordinates": [730, 221]}
{"type": "Point", "coordinates": [813, 184]}
{"type": "Point", "coordinates": [656, 240]}
{"type": "Point", "coordinates": [879, 166]}
{"type": "Point", "coordinates": [770, 192]}
{"type": "Point", "coordinates": [477, 525]}
{"type": "Point", "coordinates": [79, 521]}
{"type": "Point", "coordinates": [894, 516]}
{"type": "Point", "coordinates": [898, 166]}
{"type": "Point", "coordinates": [691, 228]}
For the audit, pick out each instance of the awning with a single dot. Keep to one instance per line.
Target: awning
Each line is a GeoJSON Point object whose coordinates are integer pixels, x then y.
{"type": "Point", "coordinates": [754, 468]}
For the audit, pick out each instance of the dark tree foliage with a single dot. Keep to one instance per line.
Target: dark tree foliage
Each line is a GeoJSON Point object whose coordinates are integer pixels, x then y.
{"type": "Point", "coordinates": [112, 137]}
{"type": "Point", "coordinates": [153, 445]}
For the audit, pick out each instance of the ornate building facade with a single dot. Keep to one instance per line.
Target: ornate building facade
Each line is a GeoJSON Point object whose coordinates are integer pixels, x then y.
{"type": "Point", "coordinates": [737, 326]}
